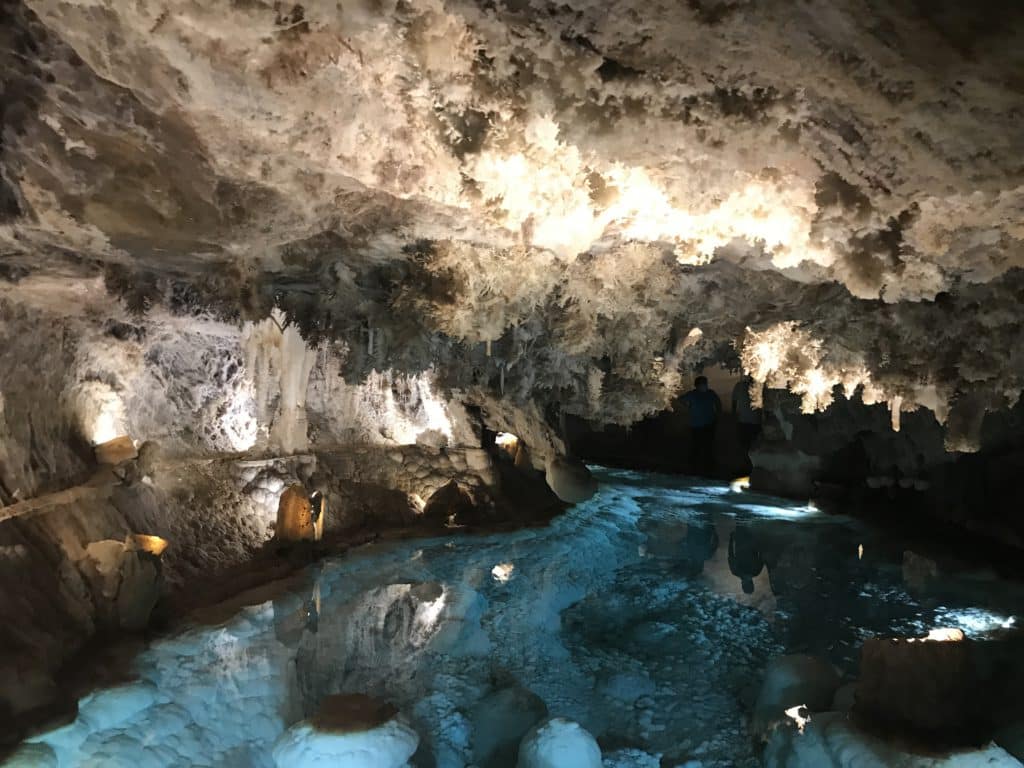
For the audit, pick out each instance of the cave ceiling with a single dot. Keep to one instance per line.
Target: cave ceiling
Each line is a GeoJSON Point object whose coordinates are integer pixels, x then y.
{"type": "Point", "coordinates": [827, 192]}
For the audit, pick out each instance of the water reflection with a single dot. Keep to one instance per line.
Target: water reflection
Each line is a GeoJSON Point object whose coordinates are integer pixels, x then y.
{"type": "Point", "coordinates": [645, 614]}
{"type": "Point", "coordinates": [745, 559]}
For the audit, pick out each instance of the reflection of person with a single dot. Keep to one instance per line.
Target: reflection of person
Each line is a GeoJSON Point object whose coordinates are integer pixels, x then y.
{"type": "Point", "coordinates": [745, 559]}
{"type": "Point", "coordinates": [704, 407]}
{"type": "Point", "coordinates": [700, 545]}
{"type": "Point", "coordinates": [748, 418]}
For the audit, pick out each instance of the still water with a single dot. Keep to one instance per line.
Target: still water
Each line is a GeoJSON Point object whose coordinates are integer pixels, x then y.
{"type": "Point", "coordinates": [647, 614]}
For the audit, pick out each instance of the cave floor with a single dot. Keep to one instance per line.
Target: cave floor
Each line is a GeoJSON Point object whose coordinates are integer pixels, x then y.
{"type": "Point", "coordinates": [647, 614]}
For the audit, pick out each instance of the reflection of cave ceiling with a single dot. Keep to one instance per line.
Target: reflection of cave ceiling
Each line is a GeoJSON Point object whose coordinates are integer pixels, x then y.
{"type": "Point", "coordinates": [580, 184]}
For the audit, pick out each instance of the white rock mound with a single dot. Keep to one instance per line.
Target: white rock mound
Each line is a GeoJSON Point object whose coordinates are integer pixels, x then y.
{"type": "Point", "coordinates": [559, 743]}
{"type": "Point", "coordinates": [349, 731]}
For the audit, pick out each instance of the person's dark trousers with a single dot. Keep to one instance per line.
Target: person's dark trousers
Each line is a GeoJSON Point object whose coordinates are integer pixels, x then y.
{"type": "Point", "coordinates": [747, 434]}
{"type": "Point", "coordinates": [702, 449]}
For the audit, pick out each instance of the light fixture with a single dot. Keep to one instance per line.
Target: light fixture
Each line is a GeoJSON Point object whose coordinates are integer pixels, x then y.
{"type": "Point", "coordinates": [740, 484]}
{"type": "Point", "coordinates": [143, 542]}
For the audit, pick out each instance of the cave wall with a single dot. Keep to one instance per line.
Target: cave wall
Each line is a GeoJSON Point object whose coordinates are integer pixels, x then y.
{"type": "Point", "coordinates": [226, 415]}
{"type": "Point", "coordinates": [850, 456]}
{"type": "Point", "coordinates": [40, 448]}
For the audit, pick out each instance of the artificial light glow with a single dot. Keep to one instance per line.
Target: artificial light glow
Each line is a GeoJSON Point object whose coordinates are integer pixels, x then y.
{"type": "Point", "coordinates": [238, 421]}
{"type": "Point", "coordinates": [544, 192]}
{"type": "Point", "coordinates": [502, 572]}
{"type": "Point", "coordinates": [739, 484]}
{"type": "Point", "coordinates": [154, 545]}
{"type": "Point", "coordinates": [786, 512]}
{"type": "Point", "coordinates": [795, 714]}
{"type": "Point", "coordinates": [100, 412]}
{"type": "Point", "coordinates": [506, 440]}
{"type": "Point", "coordinates": [695, 335]}
{"type": "Point", "coordinates": [419, 411]}
{"type": "Point", "coordinates": [945, 636]}
{"type": "Point", "coordinates": [103, 430]}
{"type": "Point", "coordinates": [427, 617]}
{"type": "Point", "coordinates": [817, 389]}
{"type": "Point", "coordinates": [786, 355]}
{"type": "Point", "coordinates": [508, 443]}
{"type": "Point", "coordinates": [860, 551]}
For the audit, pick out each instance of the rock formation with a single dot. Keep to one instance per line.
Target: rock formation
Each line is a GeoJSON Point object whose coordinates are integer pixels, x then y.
{"type": "Point", "coordinates": [344, 244]}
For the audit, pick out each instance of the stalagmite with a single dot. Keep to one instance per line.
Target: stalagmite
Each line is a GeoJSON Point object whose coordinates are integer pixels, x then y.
{"type": "Point", "coordinates": [894, 406]}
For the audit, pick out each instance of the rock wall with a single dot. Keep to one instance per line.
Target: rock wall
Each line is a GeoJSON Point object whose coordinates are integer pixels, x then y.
{"type": "Point", "coordinates": [850, 454]}
{"type": "Point", "coordinates": [225, 416]}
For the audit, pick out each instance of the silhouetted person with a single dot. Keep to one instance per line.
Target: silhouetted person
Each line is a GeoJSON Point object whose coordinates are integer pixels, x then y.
{"type": "Point", "coordinates": [704, 407]}
{"type": "Point", "coordinates": [745, 559]}
{"type": "Point", "coordinates": [748, 418]}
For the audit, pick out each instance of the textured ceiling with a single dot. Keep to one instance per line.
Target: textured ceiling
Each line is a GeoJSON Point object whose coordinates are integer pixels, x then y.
{"type": "Point", "coordinates": [581, 184]}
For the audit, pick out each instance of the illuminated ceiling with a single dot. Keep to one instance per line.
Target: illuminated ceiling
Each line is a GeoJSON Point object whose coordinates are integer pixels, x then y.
{"type": "Point", "coordinates": [582, 185]}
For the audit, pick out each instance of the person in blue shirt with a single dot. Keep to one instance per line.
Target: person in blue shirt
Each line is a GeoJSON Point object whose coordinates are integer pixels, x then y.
{"type": "Point", "coordinates": [704, 408]}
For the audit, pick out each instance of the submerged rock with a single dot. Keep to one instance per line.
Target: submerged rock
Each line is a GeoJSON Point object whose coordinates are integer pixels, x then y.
{"type": "Point", "coordinates": [499, 722]}
{"type": "Point", "coordinates": [830, 739]}
{"type": "Point", "coordinates": [925, 688]}
{"type": "Point", "coordinates": [918, 571]}
{"type": "Point", "coordinates": [350, 730]}
{"type": "Point", "coordinates": [32, 756]}
{"type": "Point", "coordinates": [559, 743]}
{"type": "Point", "coordinates": [1011, 738]}
{"type": "Point", "coordinates": [793, 681]}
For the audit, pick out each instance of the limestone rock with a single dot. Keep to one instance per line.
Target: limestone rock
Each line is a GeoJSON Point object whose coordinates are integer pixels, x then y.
{"type": "Point", "coordinates": [559, 743]}
{"type": "Point", "coordinates": [499, 722]}
{"type": "Point", "coordinates": [110, 707]}
{"type": "Point", "coordinates": [139, 589]}
{"type": "Point", "coordinates": [920, 687]}
{"type": "Point", "coordinates": [570, 480]}
{"type": "Point", "coordinates": [918, 571]}
{"type": "Point", "coordinates": [125, 578]}
{"type": "Point", "coordinates": [351, 730]}
{"type": "Point", "coordinates": [455, 504]}
{"type": "Point", "coordinates": [31, 756]}
{"type": "Point", "coordinates": [844, 699]}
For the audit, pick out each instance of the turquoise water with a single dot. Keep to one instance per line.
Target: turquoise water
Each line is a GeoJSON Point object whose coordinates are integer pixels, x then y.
{"type": "Point", "coordinates": [646, 614]}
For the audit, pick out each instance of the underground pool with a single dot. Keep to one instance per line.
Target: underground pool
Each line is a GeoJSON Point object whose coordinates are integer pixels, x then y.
{"type": "Point", "coordinates": [647, 615]}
